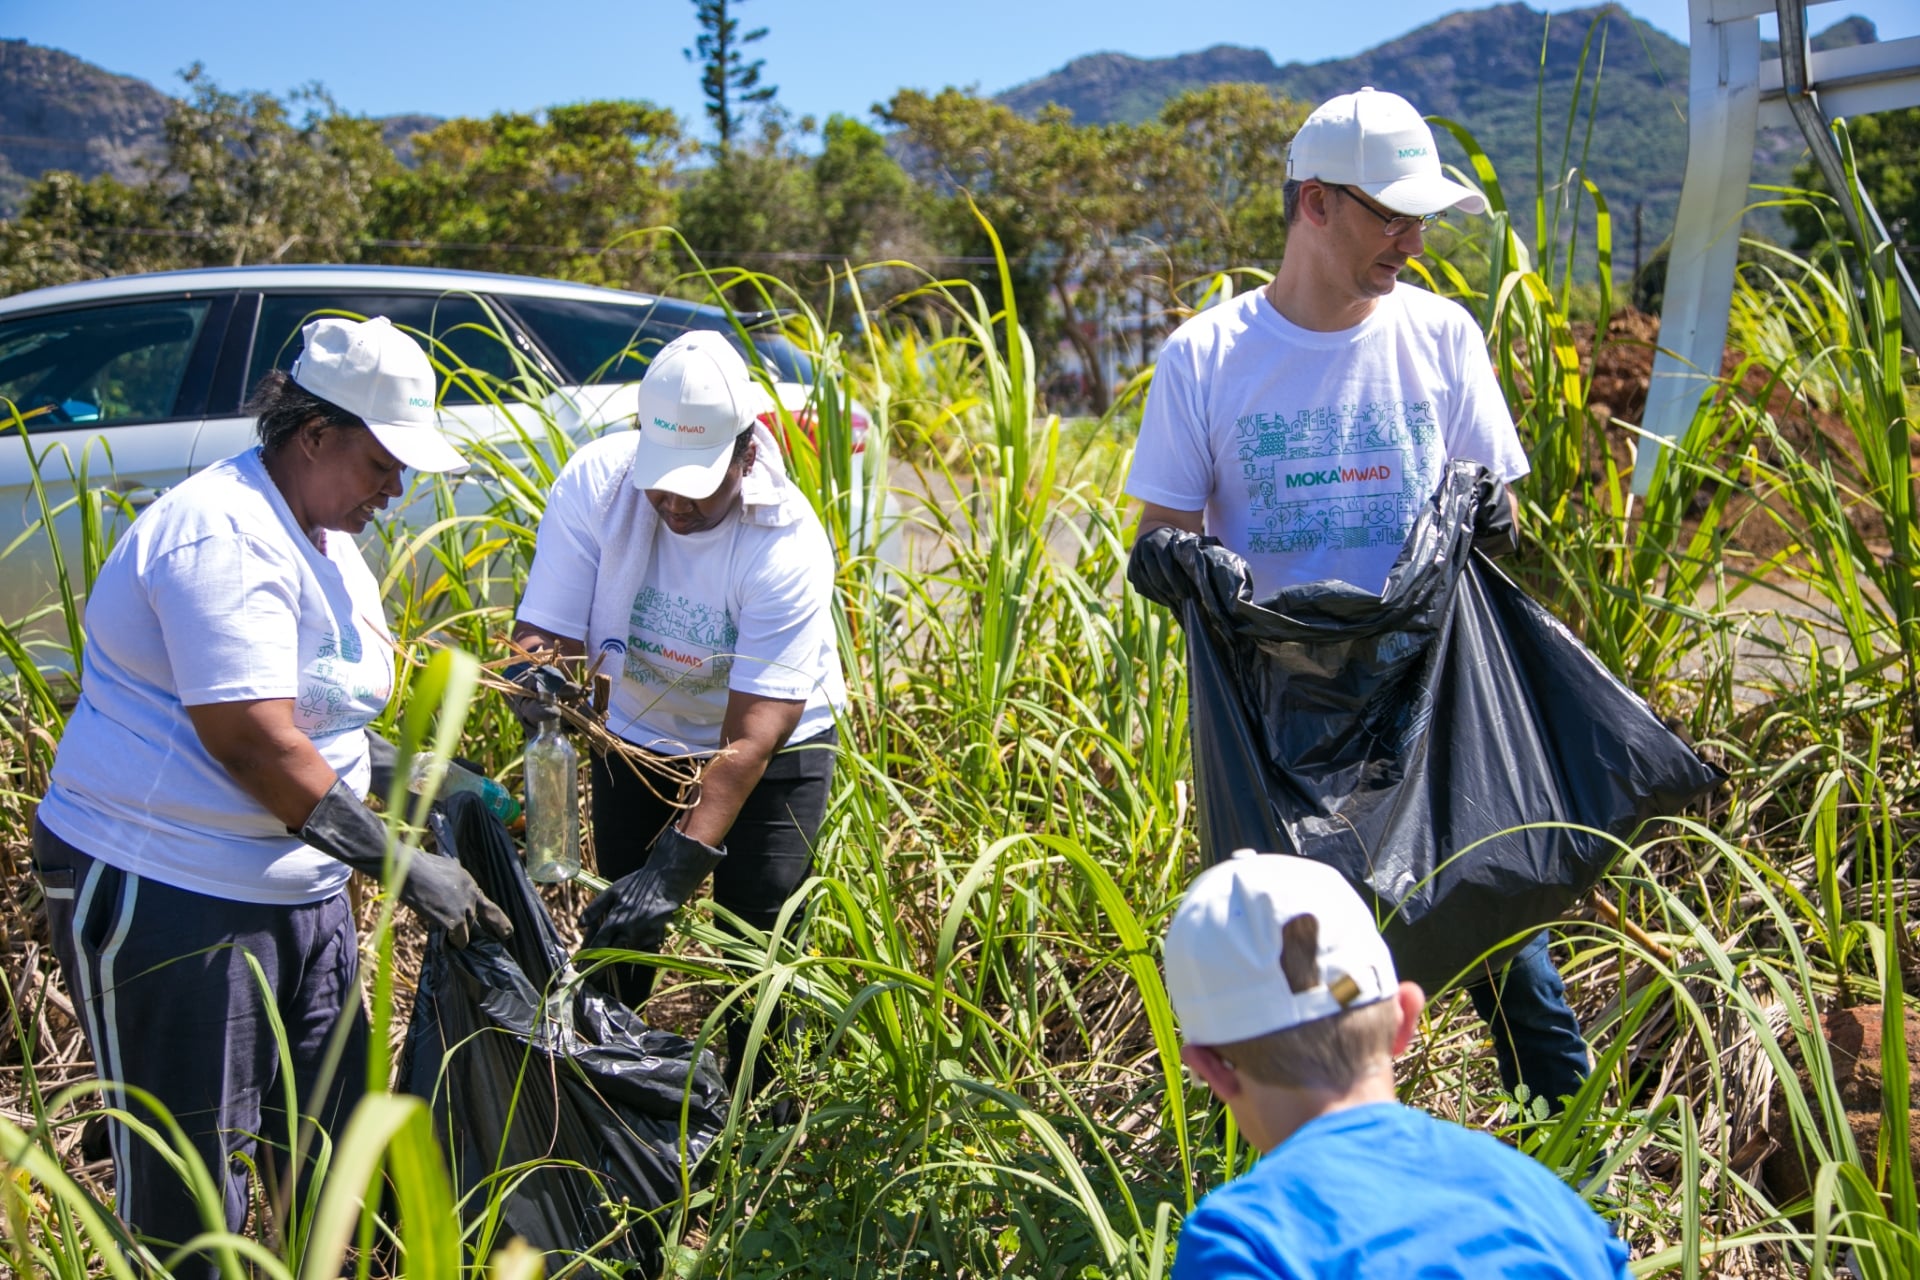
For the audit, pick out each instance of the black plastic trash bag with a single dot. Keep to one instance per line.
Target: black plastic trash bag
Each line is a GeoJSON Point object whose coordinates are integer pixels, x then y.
{"type": "Point", "coordinates": [1402, 737]}
{"type": "Point", "coordinates": [521, 1071]}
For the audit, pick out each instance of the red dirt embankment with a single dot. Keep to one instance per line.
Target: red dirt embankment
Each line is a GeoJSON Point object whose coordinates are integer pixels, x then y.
{"type": "Point", "coordinates": [1618, 394]}
{"type": "Point", "coordinates": [1853, 1042]}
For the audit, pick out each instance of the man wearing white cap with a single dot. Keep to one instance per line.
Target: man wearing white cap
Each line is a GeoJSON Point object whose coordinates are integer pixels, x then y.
{"type": "Point", "coordinates": [206, 807]}
{"type": "Point", "coordinates": [1306, 424]}
{"type": "Point", "coordinates": [682, 553]}
{"type": "Point", "coordinates": [1291, 1014]}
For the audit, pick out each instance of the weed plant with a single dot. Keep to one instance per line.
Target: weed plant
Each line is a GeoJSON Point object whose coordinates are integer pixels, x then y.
{"type": "Point", "coordinates": [987, 1081]}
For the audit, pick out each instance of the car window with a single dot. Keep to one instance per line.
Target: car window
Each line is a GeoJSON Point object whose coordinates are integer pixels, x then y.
{"type": "Point", "coordinates": [467, 340]}
{"type": "Point", "coordinates": [98, 366]}
{"type": "Point", "coordinates": [596, 341]}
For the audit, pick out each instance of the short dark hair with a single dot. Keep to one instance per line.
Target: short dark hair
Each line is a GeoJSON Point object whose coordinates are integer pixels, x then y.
{"type": "Point", "coordinates": [741, 443]}
{"type": "Point", "coordinates": [1290, 201]}
{"type": "Point", "coordinates": [282, 407]}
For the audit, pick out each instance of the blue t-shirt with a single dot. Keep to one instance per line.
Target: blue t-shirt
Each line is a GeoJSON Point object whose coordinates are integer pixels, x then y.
{"type": "Point", "coordinates": [1383, 1192]}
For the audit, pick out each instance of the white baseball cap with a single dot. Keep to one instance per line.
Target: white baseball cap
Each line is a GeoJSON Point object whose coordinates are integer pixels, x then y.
{"type": "Point", "coordinates": [1380, 144]}
{"type": "Point", "coordinates": [697, 398]}
{"type": "Point", "coordinates": [1224, 949]}
{"type": "Point", "coordinates": [381, 376]}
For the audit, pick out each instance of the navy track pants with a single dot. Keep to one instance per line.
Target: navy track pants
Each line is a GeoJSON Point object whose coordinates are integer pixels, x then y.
{"type": "Point", "coordinates": [160, 979]}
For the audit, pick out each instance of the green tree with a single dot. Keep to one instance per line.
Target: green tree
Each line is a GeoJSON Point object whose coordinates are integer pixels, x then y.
{"type": "Point", "coordinates": [1884, 147]}
{"type": "Point", "coordinates": [1211, 174]}
{"type": "Point", "coordinates": [561, 193]}
{"type": "Point", "coordinates": [753, 206]}
{"type": "Point", "coordinates": [245, 178]}
{"type": "Point", "coordinates": [727, 79]}
{"type": "Point", "coordinates": [73, 229]}
{"type": "Point", "coordinates": [250, 184]}
{"type": "Point", "coordinates": [767, 205]}
{"type": "Point", "coordinates": [867, 206]}
{"type": "Point", "coordinates": [1064, 200]}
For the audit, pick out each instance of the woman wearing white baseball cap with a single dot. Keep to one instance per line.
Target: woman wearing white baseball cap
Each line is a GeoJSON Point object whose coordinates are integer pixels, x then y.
{"type": "Point", "coordinates": [681, 552]}
{"type": "Point", "coordinates": [205, 805]}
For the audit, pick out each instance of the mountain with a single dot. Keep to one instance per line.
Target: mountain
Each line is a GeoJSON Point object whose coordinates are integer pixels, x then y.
{"type": "Point", "coordinates": [1843, 34]}
{"type": "Point", "coordinates": [59, 112]}
{"type": "Point", "coordinates": [62, 112]}
{"type": "Point", "coordinates": [1477, 67]}
{"type": "Point", "coordinates": [1482, 69]}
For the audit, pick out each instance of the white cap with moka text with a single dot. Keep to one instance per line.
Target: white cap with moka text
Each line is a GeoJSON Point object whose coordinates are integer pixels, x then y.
{"type": "Point", "coordinates": [1378, 143]}
{"type": "Point", "coordinates": [381, 376]}
{"type": "Point", "coordinates": [697, 398]}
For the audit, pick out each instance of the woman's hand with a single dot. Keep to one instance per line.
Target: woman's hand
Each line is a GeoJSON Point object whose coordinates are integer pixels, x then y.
{"type": "Point", "coordinates": [534, 708]}
{"type": "Point", "coordinates": [533, 640]}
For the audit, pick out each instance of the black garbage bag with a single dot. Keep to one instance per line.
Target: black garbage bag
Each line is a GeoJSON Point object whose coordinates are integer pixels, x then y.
{"type": "Point", "coordinates": [557, 1076]}
{"type": "Point", "coordinates": [1405, 738]}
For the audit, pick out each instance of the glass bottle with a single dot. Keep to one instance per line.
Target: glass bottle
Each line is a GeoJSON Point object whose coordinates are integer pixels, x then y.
{"type": "Point", "coordinates": [459, 778]}
{"type": "Point", "coordinates": [553, 806]}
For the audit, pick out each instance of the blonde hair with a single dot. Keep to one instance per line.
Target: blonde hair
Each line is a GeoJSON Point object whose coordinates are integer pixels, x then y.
{"type": "Point", "coordinates": [1332, 1053]}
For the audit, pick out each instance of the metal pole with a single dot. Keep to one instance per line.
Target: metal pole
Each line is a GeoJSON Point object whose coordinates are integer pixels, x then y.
{"type": "Point", "coordinates": [1723, 106]}
{"type": "Point", "coordinates": [1856, 206]}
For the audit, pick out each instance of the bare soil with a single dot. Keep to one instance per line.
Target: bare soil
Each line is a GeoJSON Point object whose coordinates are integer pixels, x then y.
{"type": "Point", "coordinates": [1621, 367]}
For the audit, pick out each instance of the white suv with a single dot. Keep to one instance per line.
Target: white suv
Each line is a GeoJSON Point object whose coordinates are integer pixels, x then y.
{"type": "Point", "coordinates": [138, 381]}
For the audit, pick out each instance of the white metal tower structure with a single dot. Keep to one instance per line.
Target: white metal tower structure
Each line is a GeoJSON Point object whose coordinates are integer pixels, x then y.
{"type": "Point", "coordinates": [1731, 93]}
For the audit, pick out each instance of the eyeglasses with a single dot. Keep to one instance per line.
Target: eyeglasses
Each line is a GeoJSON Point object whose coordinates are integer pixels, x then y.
{"type": "Point", "coordinates": [1394, 225]}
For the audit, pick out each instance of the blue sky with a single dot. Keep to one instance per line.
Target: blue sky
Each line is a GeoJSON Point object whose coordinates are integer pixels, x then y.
{"type": "Point", "coordinates": [387, 56]}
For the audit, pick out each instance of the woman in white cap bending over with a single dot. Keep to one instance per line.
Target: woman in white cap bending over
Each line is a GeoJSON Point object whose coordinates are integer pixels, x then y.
{"type": "Point", "coordinates": [205, 804]}
{"type": "Point", "coordinates": [681, 552]}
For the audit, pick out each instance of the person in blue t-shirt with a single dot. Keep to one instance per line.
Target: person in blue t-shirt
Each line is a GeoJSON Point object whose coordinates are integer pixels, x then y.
{"type": "Point", "coordinates": [1291, 1013]}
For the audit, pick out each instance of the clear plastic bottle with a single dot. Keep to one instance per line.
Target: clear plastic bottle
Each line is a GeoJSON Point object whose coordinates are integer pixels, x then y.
{"type": "Point", "coordinates": [553, 806]}
{"type": "Point", "coordinates": [459, 778]}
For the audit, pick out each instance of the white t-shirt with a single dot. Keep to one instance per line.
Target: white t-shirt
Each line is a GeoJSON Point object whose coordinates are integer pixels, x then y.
{"type": "Point", "coordinates": [1312, 453]}
{"type": "Point", "coordinates": [215, 595]}
{"type": "Point", "coordinates": [746, 605]}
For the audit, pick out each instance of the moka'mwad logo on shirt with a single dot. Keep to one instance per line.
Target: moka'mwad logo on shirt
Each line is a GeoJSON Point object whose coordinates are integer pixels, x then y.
{"type": "Point", "coordinates": [1378, 470]}
{"type": "Point", "coordinates": [674, 641]}
{"type": "Point", "coordinates": [1339, 476]}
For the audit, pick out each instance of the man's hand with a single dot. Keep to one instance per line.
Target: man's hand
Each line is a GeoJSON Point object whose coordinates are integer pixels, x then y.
{"type": "Point", "coordinates": [1168, 566]}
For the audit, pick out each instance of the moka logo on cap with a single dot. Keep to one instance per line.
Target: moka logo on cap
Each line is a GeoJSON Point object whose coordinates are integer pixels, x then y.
{"type": "Point", "coordinates": [680, 428]}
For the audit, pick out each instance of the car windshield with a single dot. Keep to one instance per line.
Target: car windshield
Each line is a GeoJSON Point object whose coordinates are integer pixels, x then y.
{"type": "Point", "coordinates": [596, 341]}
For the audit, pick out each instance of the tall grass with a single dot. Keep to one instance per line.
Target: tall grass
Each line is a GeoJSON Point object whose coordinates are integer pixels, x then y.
{"type": "Point", "coordinates": [987, 1078]}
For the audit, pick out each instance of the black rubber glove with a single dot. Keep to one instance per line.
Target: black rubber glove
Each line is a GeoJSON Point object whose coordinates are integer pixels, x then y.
{"type": "Point", "coordinates": [341, 826]}
{"type": "Point", "coordinates": [543, 683]}
{"type": "Point", "coordinates": [1494, 532]}
{"type": "Point", "coordinates": [1170, 566]}
{"type": "Point", "coordinates": [382, 756]}
{"type": "Point", "coordinates": [632, 914]}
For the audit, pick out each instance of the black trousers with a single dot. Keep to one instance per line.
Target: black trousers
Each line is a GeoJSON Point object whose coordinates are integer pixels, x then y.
{"type": "Point", "coordinates": [160, 979]}
{"type": "Point", "coordinates": [769, 852]}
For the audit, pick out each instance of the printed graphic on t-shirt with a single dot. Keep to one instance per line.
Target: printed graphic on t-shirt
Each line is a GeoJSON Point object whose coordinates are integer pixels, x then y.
{"type": "Point", "coordinates": [334, 691]}
{"type": "Point", "coordinates": [674, 641]}
{"type": "Point", "coordinates": [1336, 476]}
